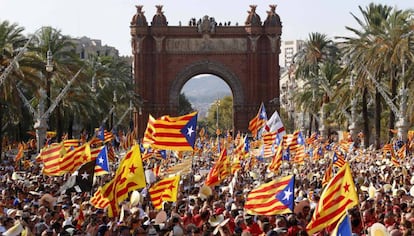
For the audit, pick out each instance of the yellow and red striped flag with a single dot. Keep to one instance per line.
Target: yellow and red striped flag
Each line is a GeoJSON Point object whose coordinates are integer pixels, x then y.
{"type": "Point", "coordinates": [175, 133]}
{"type": "Point", "coordinates": [149, 132]}
{"type": "Point", "coordinates": [98, 200]}
{"type": "Point", "coordinates": [395, 161]}
{"type": "Point", "coordinates": [328, 175]}
{"type": "Point", "coordinates": [272, 198]}
{"type": "Point", "coordinates": [402, 152]}
{"type": "Point", "coordinates": [20, 153]}
{"type": "Point", "coordinates": [50, 156]}
{"type": "Point", "coordinates": [338, 196]}
{"type": "Point", "coordinates": [71, 144]}
{"type": "Point", "coordinates": [277, 159]}
{"type": "Point", "coordinates": [220, 170]}
{"type": "Point", "coordinates": [128, 177]}
{"type": "Point", "coordinates": [156, 170]}
{"type": "Point", "coordinates": [80, 219]}
{"type": "Point", "coordinates": [258, 121]}
{"type": "Point", "coordinates": [338, 159]}
{"type": "Point", "coordinates": [269, 142]}
{"type": "Point", "coordinates": [73, 159]}
{"type": "Point", "coordinates": [164, 190]}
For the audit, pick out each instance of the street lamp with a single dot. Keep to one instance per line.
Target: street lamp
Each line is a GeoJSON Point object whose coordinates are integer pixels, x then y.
{"type": "Point", "coordinates": [217, 103]}
{"type": "Point", "coordinates": [42, 120]}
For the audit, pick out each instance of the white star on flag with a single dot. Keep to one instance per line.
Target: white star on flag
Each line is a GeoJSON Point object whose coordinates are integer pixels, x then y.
{"type": "Point", "coordinates": [287, 194]}
{"type": "Point", "coordinates": [101, 160]}
{"type": "Point", "coordinates": [85, 175]}
{"type": "Point", "coordinates": [190, 131]}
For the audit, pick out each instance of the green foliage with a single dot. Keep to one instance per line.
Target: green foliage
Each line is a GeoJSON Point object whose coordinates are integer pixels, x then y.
{"type": "Point", "coordinates": [184, 106]}
{"type": "Point", "coordinates": [225, 115]}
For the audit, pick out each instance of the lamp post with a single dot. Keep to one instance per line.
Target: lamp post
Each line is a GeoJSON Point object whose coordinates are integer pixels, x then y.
{"type": "Point", "coordinates": [217, 103]}
{"type": "Point", "coordinates": [42, 120]}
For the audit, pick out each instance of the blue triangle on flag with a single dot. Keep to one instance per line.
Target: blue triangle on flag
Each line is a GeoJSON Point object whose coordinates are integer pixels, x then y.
{"type": "Point", "coordinates": [300, 139]}
{"type": "Point", "coordinates": [189, 130]}
{"type": "Point", "coordinates": [335, 157]}
{"type": "Point", "coordinates": [286, 195]}
{"type": "Point", "coordinates": [102, 159]}
{"type": "Point", "coordinates": [101, 133]}
{"type": "Point", "coordinates": [246, 145]}
{"type": "Point", "coordinates": [163, 154]}
{"type": "Point", "coordinates": [286, 155]}
{"type": "Point", "coordinates": [141, 148]}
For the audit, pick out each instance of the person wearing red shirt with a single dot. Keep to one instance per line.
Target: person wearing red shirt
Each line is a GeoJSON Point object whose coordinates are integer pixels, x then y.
{"type": "Point", "coordinates": [251, 226]}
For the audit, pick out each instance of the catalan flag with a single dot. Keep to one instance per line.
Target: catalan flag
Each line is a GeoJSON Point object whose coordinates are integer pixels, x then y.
{"type": "Point", "coordinates": [128, 177]}
{"type": "Point", "coordinates": [337, 197]}
{"type": "Point", "coordinates": [80, 219]}
{"type": "Point", "coordinates": [220, 170]}
{"type": "Point", "coordinates": [149, 133]}
{"type": "Point", "coordinates": [269, 140]}
{"type": "Point", "coordinates": [50, 156]}
{"type": "Point", "coordinates": [277, 159]}
{"type": "Point", "coordinates": [102, 162]}
{"type": "Point", "coordinates": [104, 135]}
{"type": "Point", "coordinates": [328, 175]}
{"type": "Point", "coordinates": [20, 153]}
{"type": "Point", "coordinates": [73, 159]}
{"type": "Point", "coordinates": [156, 170]}
{"type": "Point", "coordinates": [338, 159]}
{"type": "Point", "coordinates": [259, 121]}
{"type": "Point", "coordinates": [272, 198]}
{"type": "Point", "coordinates": [175, 133]}
{"type": "Point", "coordinates": [70, 144]}
{"type": "Point", "coordinates": [164, 190]}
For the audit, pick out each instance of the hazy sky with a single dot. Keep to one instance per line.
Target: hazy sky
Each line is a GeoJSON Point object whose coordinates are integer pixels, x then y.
{"type": "Point", "coordinates": [109, 20]}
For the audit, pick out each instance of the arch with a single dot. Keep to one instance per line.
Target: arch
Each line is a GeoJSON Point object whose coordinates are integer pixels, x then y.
{"type": "Point", "coordinates": [206, 67]}
{"type": "Point", "coordinates": [246, 57]}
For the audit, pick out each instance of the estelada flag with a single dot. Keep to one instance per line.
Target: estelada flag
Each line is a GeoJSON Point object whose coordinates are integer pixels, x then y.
{"type": "Point", "coordinates": [272, 198]}
{"type": "Point", "coordinates": [175, 133]}
{"type": "Point", "coordinates": [338, 196]}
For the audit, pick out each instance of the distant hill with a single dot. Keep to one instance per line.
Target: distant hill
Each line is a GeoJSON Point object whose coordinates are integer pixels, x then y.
{"type": "Point", "coordinates": [203, 90]}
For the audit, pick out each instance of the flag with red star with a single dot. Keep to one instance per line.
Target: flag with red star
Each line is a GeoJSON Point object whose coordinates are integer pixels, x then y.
{"type": "Point", "coordinates": [128, 177]}
{"type": "Point", "coordinates": [164, 190]}
{"type": "Point", "coordinates": [73, 159]}
{"type": "Point", "coordinates": [337, 197]}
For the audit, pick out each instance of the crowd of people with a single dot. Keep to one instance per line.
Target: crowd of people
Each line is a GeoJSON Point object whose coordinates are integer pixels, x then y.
{"type": "Point", "coordinates": [33, 204]}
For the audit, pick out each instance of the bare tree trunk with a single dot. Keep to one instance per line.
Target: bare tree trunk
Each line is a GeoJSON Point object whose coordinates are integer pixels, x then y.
{"type": "Point", "coordinates": [310, 124]}
{"type": "Point", "coordinates": [365, 117]}
{"type": "Point", "coordinates": [393, 95]}
{"type": "Point", "coordinates": [377, 120]}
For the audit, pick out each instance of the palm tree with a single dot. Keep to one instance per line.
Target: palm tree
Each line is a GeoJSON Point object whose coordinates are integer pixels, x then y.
{"type": "Point", "coordinates": [309, 61]}
{"type": "Point", "coordinates": [50, 48]}
{"type": "Point", "coordinates": [11, 40]}
{"type": "Point", "coordinates": [378, 49]}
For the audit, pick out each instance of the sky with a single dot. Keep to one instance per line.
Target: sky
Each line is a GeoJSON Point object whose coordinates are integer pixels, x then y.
{"type": "Point", "coordinates": [109, 20]}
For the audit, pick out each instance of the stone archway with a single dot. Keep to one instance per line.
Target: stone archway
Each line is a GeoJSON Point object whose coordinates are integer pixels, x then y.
{"type": "Point", "coordinates": [206, 67]}
{"type": "Point", "coordinates": [245, 57]}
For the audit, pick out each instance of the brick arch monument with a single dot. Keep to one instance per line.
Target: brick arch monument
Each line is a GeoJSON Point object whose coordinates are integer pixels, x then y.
{"type": "Point", "coordinates": [245, 57]}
